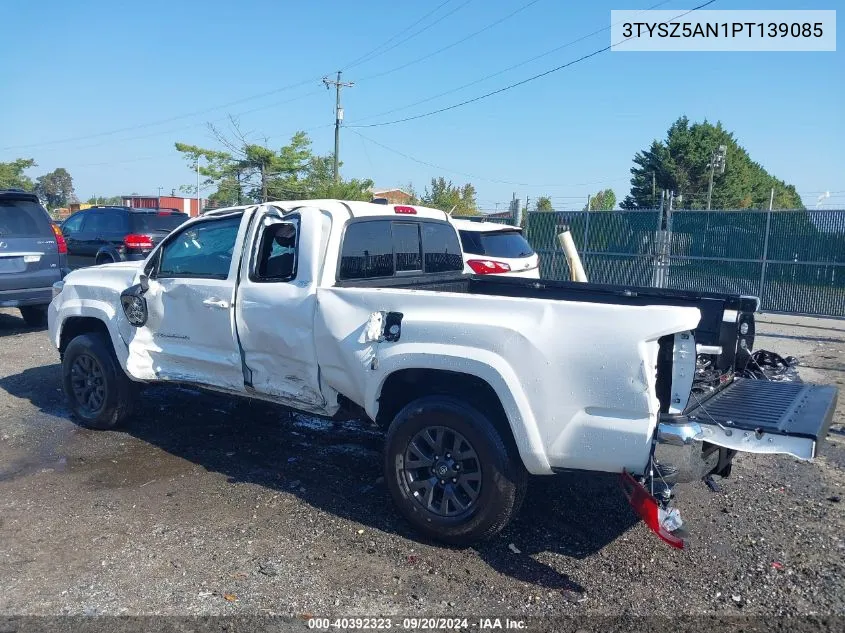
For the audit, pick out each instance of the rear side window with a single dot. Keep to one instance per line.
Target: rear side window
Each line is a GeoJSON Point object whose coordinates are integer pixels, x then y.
{"type": "Point", "coordinates": [162, 222]}
{"type": "Point", "coordinates": [23, 218]}
{"type": "Point", "coordinates": [441, 248]}
{"type": "Point", "coordinates": [510, 244]}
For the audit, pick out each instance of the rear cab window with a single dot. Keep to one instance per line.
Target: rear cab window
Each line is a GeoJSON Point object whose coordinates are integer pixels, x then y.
{"type": "Point", "coordinates": [386, 248]}
{"type": "Point", "coordinates": [508, 244]}
{"type": "Point", "coordinates": [23, 218]}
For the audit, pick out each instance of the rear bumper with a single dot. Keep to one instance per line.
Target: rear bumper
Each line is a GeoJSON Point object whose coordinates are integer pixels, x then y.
{"type": "Point", "coordinates": [532, 273]}
{"type": "Point", "coordinates": [25, 297]}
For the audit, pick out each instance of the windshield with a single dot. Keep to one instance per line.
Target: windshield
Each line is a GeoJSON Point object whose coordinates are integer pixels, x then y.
{"type": "Point", "coordinates": [155, 222]}
{"type": "Point", "coordinates": [509, 244]}
{"type": "Point", "coordinates": [22, 218]}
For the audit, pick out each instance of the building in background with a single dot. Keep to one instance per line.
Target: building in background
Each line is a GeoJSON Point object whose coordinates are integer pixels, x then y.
{"type": "Point", "coordinates": [393, 196]}
{"type": "Point", "coordinates": [178, 203]}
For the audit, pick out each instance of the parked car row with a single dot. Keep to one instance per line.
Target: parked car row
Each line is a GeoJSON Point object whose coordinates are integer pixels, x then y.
{"type": "Point", "coordinates": [35, 252]}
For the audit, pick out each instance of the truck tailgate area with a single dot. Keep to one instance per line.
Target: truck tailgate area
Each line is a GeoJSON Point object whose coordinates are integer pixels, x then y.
{"type": "Point", "coordinates": [763, 416]}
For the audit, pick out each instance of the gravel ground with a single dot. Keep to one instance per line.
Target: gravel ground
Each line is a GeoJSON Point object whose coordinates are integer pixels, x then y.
{"type": "Point", "coordinates": [203, 505]}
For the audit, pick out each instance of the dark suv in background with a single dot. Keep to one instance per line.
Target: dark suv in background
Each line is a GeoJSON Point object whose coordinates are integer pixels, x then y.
{"type": "Point", "coordinates": [102, 235]}
{"type": "Point", "coordinates": [32, 255]}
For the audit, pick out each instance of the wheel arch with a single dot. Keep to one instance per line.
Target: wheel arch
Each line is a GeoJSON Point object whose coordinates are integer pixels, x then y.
{"type": "Point", "coordinates": [487, 390]}
{"type": "Point", "coordinates": [107, 251]}
{"type": "Point", "coordinates": [91, 321]}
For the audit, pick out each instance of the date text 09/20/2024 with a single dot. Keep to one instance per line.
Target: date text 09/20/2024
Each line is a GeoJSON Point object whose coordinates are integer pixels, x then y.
{"type": "Point", "coordinates": [412, 624]}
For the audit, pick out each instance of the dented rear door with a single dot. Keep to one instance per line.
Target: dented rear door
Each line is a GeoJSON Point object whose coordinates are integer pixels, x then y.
{"type": "Point", "coordinates": [275, 308]}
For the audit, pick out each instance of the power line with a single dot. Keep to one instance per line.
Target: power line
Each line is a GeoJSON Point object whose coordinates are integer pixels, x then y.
{"type": "Point", "coordinates": [368, 55]}
{"type": "Point", "coordinates": [474, 177]}
{"type": "Point", "coordinates": [413, 35]}
{"type": "Point", "coordinates": [453, 44]}
{"type": "Point", "coordinates": [161, 121]}
{"type": "Point", "coordinates": [500, 72]}
{"type": "Point", "coordinates": [518, 83]}
{"type": "Point", "coordinates": [237, 101]}
{"type": "Point", "coordinates": [203, 123]}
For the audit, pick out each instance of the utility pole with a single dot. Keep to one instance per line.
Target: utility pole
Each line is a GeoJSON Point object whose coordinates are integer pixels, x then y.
{"type": "Point", "coordinates": [159, 197]}
{"type": "Point", "coordinates": [263, 182]}
{"type": "Point", "coordinates": [338, 84]}
{"type": "Point", "coordinates": [717, 159]}
{"type": "Point", "coordinates": [589, 199]}
{"type": "Point", "coordinates": [199, 211]}
{"type": "Point", "coordinates": [771, 201]}
{"type": "Point", "coordinates": [653, 189]}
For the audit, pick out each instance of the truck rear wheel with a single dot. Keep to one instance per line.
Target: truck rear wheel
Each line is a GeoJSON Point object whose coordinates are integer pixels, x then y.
{"type": "Point", "coordinates": [99, 393]}
{"type": "Point", "coordinates": [450, 472]}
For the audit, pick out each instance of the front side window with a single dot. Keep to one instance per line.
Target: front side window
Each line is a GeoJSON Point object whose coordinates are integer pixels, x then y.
{"type": "Point", "coordinates": [441, 247]}
{"type": "Point", "coordinates": [73, 224]}
{"type": "Point", "coordinates": [202, 250]}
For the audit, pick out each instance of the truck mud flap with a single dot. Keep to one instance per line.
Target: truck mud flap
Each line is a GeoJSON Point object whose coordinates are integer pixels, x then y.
{"type": "Point", "coordinates": [760, 416]}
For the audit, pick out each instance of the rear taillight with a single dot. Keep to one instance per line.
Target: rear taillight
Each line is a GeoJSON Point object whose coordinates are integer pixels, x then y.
{"type": "Point", "coordinates": [133, 240]}
{"type": "Point", "coordinates": [61, 244]}
{"type": "Point", "coordinates": [488, 266]}
{"type": "Point", "coordinates": [647, 507]}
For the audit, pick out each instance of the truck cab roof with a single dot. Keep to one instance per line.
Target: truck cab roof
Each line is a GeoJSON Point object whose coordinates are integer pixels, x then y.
{"type": "Point", "coordinates": [346, 209]}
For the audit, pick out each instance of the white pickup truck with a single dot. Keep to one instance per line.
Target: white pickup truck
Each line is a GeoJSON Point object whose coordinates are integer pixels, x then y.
{"type": "Point", "coordinates": [351, 309]}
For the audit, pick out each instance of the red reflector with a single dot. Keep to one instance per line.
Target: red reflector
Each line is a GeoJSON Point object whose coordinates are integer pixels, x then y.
{"type": "Point", "coordinates": [137, 241]}
{"type": "Point", "coordinates": [488, 266]}
{"type": "Point", "coordinates": [61, 244]}
{"type": "Point", "coordinates": [405, 210]}
{"type": "Point", "coordinates": [164, 213]}
{"type": "Point", "coordinates": [647, 507]}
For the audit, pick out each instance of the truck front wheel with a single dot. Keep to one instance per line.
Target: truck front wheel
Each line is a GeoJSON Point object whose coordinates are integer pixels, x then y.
{"type": "Point", "coordinates": [99, 393]}
{"type": "Point", "coordinates": [450, 472]}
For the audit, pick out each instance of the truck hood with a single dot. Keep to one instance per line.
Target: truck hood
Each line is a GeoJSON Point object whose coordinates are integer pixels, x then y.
{"type": "Point", "coordinates": [117, 276]}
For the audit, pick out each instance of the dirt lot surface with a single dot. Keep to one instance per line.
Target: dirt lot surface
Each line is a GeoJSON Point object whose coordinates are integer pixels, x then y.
{"type": "Point", "coordinates": [205, 505]}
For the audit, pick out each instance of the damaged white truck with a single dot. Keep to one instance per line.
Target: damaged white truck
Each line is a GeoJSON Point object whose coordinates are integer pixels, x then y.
{"type": "Point", "coordinates": [359, 310]}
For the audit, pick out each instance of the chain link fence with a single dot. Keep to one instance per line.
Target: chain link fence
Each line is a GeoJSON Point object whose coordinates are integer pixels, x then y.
{"type": "Point", "coordinates": [793, 260]}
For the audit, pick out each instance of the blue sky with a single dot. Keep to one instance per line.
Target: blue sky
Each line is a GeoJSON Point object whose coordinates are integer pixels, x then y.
{"type": "Point", "coordinates": [161, 70]}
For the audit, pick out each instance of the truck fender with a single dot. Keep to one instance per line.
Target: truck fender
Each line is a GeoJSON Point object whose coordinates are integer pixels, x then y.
{"type": "Point", "coordinates": [481, 364]}
{"type": "Point", "coordinates": [87, 308]}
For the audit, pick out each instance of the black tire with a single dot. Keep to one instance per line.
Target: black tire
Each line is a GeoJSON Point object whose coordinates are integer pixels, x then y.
{"type": "Point", "coordinates": [113, 392]}
{"type": "Point", "coordinates": [105, 259]}
{"type": "Point", "coordinates": [503, 478]}
{"type": "Point", "coordinates": [34, 316]}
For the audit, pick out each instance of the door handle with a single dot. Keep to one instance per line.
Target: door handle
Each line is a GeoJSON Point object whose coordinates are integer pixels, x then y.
{"type": "Point", "coordinates": [215, 303]}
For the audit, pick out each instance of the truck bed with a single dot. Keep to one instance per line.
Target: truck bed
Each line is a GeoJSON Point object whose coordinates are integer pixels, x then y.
{"type": "Point", "coordinates": [712, 305]}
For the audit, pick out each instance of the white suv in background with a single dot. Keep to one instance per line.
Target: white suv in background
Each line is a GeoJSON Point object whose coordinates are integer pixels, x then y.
{"type": "Point", "coordinates": [496, 249]}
